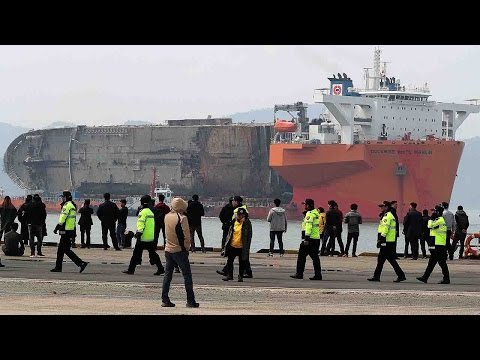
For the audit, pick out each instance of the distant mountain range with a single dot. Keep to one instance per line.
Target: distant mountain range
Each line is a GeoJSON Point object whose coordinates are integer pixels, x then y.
{"type": "Point", "coordinates": [466, 191]}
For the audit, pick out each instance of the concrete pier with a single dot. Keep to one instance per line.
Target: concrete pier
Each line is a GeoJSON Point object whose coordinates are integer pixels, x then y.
{"type": "Point", "coordinates": [28, 287]}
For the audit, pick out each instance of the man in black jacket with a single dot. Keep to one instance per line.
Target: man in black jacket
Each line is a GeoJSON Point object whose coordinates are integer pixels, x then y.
{"type": "Point", "coordinates": [23, 220]}
{"type": "Point", "coordinates": [35, 216]}
{"type": "Point", "coordinates": [461, 225]}
{"type": "Point", "coordinates": [108, 215]}
{"type": "Point", "coordinates": [122, 222]}
{"type": "Point", "coordinates": [393, 210]}
{"type": "Point", "coordinates": [195, 212]}
{"type": "Point", "coordinates": [412, 228]}
{"type": "Point", "coordinates": [225, 217]}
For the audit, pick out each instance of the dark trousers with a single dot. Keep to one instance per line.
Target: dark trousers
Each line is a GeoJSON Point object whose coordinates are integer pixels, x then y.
{"type": "Point", "coordinates": [458, 237]}
{"type": "Point", "coordinates": [156, 232]}
{"type": "Point", "coordinates": [121, 234]}
{"type": "Point", "coordinates": [35, 231]}
{"type": "Point", "coordinates": [439, 254]}
{"type": "Point", "coordinates": [324, 239]}
{"type": "Point", "coordinates": [172, 260]}
{"type": "Point", "coordinates": [387, 253]}
{"type": "Point", "coordinates": [198, 229]}
{"type": "Point", "coordinates": [232, 254]}
{"type": "Point", "coordinates": [311, 250]}
{"type": "Point", "coordinates": [247, 268]}
{"type": "Point", "coordinates": [448, 243]}
{"type": "Point", "coordinates": [85, 230]}
{"type": "Point", "coordinates": [225, 229]}
{"type": "Point", "coordinates": [138, 251]}
{"type": "Point", "coordinates": [23, 231]}
{"type": "Point", "coordinates": [350, 236]}
{"type": "Point", "coordinates": [413, 241]}
{"type": "Point", "coordinates": [64, 249]}
{"type": "Point", "coordinates": [279, 235]}
{"type": "Point", "coordinates": [106, 227]}
{"type": "Point", "coordinates": [423, 241]}
{"type": "Point", "coordinates": [331, 242]}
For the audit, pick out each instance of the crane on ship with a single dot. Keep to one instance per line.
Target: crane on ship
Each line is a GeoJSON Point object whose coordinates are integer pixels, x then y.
{"type": "Point", "coordinates": [298, 124]}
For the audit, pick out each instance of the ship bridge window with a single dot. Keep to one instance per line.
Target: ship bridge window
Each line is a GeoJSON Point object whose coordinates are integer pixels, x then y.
{"type": "Point", "coordinates": [391, 97]}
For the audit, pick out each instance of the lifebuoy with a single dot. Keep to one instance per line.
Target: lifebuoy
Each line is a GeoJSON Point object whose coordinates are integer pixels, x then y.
{"type": "Point", "coordinates": [468, 249]}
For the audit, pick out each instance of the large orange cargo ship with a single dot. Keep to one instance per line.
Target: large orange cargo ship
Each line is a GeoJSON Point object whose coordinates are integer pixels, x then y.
{"type": "Point", "coordinates": [384, 142]}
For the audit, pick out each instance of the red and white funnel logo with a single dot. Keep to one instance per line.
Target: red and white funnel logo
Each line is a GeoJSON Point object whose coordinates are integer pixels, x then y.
{"type": "Point", "coordinates": [337, 89]}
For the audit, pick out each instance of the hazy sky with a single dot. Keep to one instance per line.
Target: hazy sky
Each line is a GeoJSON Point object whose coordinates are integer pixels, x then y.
{"type": "Point", "coordinates": [100, 84]}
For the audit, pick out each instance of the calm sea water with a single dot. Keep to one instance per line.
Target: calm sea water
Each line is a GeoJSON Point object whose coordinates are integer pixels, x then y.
{"type": "Point", "coordinates": [212, 233]}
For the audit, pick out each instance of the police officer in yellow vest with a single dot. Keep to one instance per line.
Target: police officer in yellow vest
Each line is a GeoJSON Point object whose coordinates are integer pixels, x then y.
{"type": "Point", "coordinates": [438, 250]}
{"type": "Point", "coordinates": [311, 242]}
{"type": "Point", "coordinates": [386, 242]}
{"type": "Point", "coordinates": [145, 238]}
{"type": "Point", "coordinates": [66, 228]}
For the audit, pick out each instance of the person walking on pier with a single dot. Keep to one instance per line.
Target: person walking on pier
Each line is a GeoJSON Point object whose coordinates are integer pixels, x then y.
{"type": "Point", "coordinates": [438, 250]}
{"type": "Point", "coordinates": [412, 228]}
{"type": "Point", "coordinates": [278, 225]}
{"type": "Point", "coordinates": [226, 215]}
{"type": "Point", "coordinates": [460, 233]}
{"type": "Point", "coordinates": [108, 215]}
{"type": "Point", "coordinates": [21, 214]}
{"type": "Point", "coordinates": [449, 221]}
{"type": "Point", "coordinates": [66, 228]}
{"type": "Point", "coordinates": [353, 219]}
{"type": "Point", "coordinates": [195, 211]}
{"type": "Point", "coordinates": [176, 252]}
{"type": "Point", "coordinates": [425, 233]}
{"type": "Point", "coordinates": [162, 210]}
{"type": "Point", "coordinates": [122, 222]}
{"type": "Point", "coordinates": [8, 213]}
{"type": "Point", "coordinates": [386, 242]}
{"type": "Point", "coordinates": [145, 238]}
{"type": "Point", "coordinates": [310, 243]}
{"type": "Point", "coordinates": [35, 216]}
{"type": "Point", "coordinates": [238, 243]}
{"type": "Point", "coordinates": [85, 223]}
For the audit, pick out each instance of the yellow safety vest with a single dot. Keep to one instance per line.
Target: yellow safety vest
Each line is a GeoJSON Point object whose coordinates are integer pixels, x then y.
{"type": "Point", "coordinates": [312, 224]}
{"type": "Point", "coordinates": [68, 216]}
{"type": "Point", "coordinates": [146, 224]}
{"type": "Point", "coordinates": [440, 231]}
{"type": "Point", "coordinates": [387, 227]}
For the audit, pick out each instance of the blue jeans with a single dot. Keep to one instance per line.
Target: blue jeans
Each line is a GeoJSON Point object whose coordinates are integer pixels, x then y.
{"type": "Point", "coordinates": [180, 259]}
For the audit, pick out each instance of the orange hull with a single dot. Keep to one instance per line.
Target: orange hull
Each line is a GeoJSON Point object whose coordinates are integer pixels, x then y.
{"type": "Point", "coordinates": [407, 171]}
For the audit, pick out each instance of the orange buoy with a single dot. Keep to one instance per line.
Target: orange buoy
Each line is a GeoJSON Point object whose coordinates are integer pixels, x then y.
{"type": "Point", "coordinates": [285, 126]}
{"type": "Point", "coordinates": [468, 249]}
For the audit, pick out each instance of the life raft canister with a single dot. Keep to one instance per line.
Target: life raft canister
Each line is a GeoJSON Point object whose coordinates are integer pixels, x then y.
{"type": "Point", "coordinates": [469, 251]}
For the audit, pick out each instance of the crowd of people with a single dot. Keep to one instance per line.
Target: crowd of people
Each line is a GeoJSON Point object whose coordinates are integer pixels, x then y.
{"type": "Point", "coordinates": [320, 230]}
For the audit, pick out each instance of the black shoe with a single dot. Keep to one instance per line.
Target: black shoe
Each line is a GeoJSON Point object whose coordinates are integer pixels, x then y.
{"type": "Point", "coordinates": [316, 278]}
{"type": "Point", "coordinates": [56, 270]}
{"type": "Point", "coordinates": [40, 254]}
{"type": "Point", "coordinates": [220, 272]}
{"type": "Point", "coordinates": [248, 276]}
{"type": "Point", "coordinates": [1, 265]}
{"type": "Point", "coordinates": [118, 249]}
{"type": "Point", "coordinates": [422, 279]}
{"type": "Point", "coordinates": [128, 272]}
{"type": "Point", "coordinates": [82, 246]}
{"type": "Point", "coordinates": [168, 304]}
{"type": "Point", "coordinates": [226, 278]}
{"type": "Point", "coordinates": [400, 279]}
{"type": "Point", "coordinates": [445, 281]}
{"type": "Point", "coordinates": [240, 279]}
{"type": "Point", "coordinates": [193, 305]}
{"type": "Point", "coordinates": [203, 250]}
{"type": "Point", "coordinates": [83, 266]}
{"type": "Point", "coordinates": [160, 271]}
{"type": "Point", "coordinates": [373, 279]}
{"type": "Point", "coordinates": [296, 276]}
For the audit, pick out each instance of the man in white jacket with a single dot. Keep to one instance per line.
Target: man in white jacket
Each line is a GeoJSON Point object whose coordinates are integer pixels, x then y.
{"type": "Point", "coordinates": [278, 225]}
